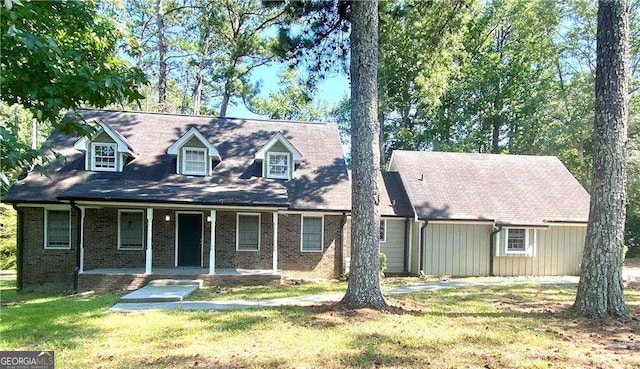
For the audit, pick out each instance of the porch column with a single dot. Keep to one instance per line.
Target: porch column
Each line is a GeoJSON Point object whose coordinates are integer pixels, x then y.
{"type": "Point", "coordinates": [212, 249]}
{"type": "Point", "coordinates": [82, 210]}
{"type": "Point", "coordinates": [149, 253]}
{"type": "Point", "coordinates": [275, 242]}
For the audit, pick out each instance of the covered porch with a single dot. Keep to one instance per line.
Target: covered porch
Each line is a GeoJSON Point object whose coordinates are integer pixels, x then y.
{"type": "Point", "coordinates": [177, 240]}
{"type": "Point", "coordinates": [105, 279]}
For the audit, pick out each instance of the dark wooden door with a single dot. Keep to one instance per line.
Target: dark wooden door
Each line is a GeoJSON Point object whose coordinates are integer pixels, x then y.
{"type": "Point", "coordinates": [189, 239]}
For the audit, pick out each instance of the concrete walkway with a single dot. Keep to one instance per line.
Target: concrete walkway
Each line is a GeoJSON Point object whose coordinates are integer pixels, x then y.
{"type": "Point", "coordinates": [162, 290]}
{"type": "Point", "coordinates": [330, 298]}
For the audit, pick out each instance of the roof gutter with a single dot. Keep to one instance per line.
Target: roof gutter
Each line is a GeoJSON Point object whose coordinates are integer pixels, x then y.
{"type": "Point", "coordinates": [422, 245]}
{"type": "Point", "coordinates": [496, 229]}
{"type": "Point", "coordinates": [19, 246]}
{"type": "Point", "coordinates": [76, 269]}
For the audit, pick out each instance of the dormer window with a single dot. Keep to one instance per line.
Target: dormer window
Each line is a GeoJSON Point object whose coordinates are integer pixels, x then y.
{"type": "Point", "coordinates": [278, 165]}
{"type": "Point", "coordinates": [278, 158]}
{"type": "Point", "coordinates": [106, 150]}
{"type": "Point", "coordinates": [194, 154]}
{"type": "Point", "coordinates": [195, 161]}
{"type": "Point", "coordinates": [104, 157]}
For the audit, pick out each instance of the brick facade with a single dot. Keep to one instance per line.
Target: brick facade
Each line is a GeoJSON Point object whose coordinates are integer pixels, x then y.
{"type": "Point", "coordinates": [40, 265]}
{"type": "Point", "coordinates": [101, 246]}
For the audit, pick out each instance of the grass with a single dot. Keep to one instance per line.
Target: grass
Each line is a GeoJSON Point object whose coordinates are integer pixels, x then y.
{"type": "Point", "coordinates": [477, 327]}
{"type": "Point", "coordinates": [290, 289]}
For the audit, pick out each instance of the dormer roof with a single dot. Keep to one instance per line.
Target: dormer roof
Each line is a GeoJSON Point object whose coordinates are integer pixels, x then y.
{"type": "Point", "coordinates": [193, 132]}
{"type": "Point", "coordinates": [279, 137]}
{"type": "Point", "coordinates": [122, 145]}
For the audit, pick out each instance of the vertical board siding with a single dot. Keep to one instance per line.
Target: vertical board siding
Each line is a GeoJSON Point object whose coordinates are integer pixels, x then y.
{"type": "Point", "coordinates": [457, 249]}
{"type": "Point", "coordinates": [559, 252]}
{"type": "Point", "coordinates": [393, 248]}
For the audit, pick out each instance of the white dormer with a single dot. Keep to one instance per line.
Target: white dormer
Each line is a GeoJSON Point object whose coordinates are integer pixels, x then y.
{"type": "Point", "coordinates": [194, 154]}
{"type": "Point", "coordinates": [106, 150]}
{"type": "Point", "coordinates": [278, 157]}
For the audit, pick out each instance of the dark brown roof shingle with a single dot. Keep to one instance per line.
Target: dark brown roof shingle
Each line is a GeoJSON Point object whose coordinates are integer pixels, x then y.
{"type": "Point", "coordinates": [320, 181]}
{"type": "Point", "coordinates": [508, 189]}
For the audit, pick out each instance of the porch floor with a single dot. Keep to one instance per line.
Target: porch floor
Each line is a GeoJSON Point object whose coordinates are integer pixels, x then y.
{"type": "Point", "coordinates": [179, 271]}
{"type": "Point", "coordinates": [110, 279]}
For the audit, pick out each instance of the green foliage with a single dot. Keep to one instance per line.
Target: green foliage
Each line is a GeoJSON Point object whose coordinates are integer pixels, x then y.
{"type": "Point", "coordinates": [383, 263]}
{"type": "Point", "coordinates": [293, 101]}
{"type": "Point", "coordinates": [57, 56]}
{"type": "Point", "coordinates": [7, 237]}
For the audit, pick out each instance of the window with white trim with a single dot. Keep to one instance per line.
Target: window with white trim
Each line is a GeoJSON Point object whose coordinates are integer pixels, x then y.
{"type": "Point", "coordinates": [311, 239]}
{"type": "Point", "coordinates": [130, 229]}
{"type": "Point", "coordinates": [104, 157]}
{"type": "Point", "coordinates": [57, 233]}
{"type": "Point", "coordinates": [278, 165]}
{"type": "Point", "coordinates": [194, 161]}
{"type": "Point", "coordinates": [383, 230]}
{"type": "Point", "coordinates": [516, 240]}
{"type": "Point", "coordinates": [248, 232]}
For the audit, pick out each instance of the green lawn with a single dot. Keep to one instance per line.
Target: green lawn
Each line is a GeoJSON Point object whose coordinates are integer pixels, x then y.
{"type": "Point", "coordinates": [496, 327]}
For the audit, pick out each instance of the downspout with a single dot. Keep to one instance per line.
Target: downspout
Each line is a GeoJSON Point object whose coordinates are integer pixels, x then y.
{"type": "Point", "coordinates": [76, 270]}
{"type": "Point", "coordinates": [405, 267]}
{"type": "Point", "coordinates": [341, 266]}
{"type": "Point", "coordinates": [19, 246]}
{"type": "Point", "coordinates": [422, 245]}
{"type": "Point", "coordinates": [496, 229]}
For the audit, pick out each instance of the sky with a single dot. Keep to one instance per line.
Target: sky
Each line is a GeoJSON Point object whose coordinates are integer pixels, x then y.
{"type": "Point", "coordinates": [330, 91]}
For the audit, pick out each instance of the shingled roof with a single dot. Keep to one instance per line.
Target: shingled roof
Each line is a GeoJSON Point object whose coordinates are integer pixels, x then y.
{"type": "Point", "coordinates": [320, 181]}
{"type": "Point", "coordinates": [508, 189]}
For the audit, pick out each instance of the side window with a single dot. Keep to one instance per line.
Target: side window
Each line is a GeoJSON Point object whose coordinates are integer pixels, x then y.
{"type": "Point", "coordinates": [311, 233]}
{"type": "Point", "coordinates": [130, 229]}
{"type": "Point", "coordinates": [57, 233]}
{"type": "Point", "coordinates": [383, 231]}
{"type": "Point", "coordinates": [248, 232]}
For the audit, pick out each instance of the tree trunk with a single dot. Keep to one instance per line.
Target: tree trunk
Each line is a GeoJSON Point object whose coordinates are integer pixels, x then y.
{"type": "Point", "coordinates": [225, 103]}
{"type": "Point", "coordinates": [600, 288]}
{"type": "Point", "coordinates": [364, 278]}
{"type": "Point", "coordinates": [197, 94]}
{"type": "Point", "coordinates": [162, 57]}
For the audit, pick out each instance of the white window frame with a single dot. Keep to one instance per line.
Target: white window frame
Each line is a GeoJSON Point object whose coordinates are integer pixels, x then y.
{"type": "Point", "coordinates": [526, 241]}
{"type": "Point", "coordinates": [115, 156]}
{"type": "Point", "coordinates": [302, 249]}
{"type": "Point", "coordinates": [184, 161]}
{"type": "Point", "coordinates": [268, 165]}
{"type": "Point", "coordinates": [141, 212]}
{"type": "Point", "coordinates": [383, 223]}
{"type": "Point", "coordinates": [238, 215]}
{"type": "Point", "coordinates": [46, 227]}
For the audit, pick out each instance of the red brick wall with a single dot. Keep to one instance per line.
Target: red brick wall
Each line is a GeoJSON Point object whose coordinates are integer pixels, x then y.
{"type": "Point", "coordinates": [296, 263]}
{"type": "Point", "coordinates": [101, 243]}
{"type": "Point", "coordinates": [44, 266]}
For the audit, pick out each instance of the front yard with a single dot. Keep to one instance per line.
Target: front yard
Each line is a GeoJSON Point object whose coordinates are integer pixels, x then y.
{"type": "Point", "coordinates": [487, 327]}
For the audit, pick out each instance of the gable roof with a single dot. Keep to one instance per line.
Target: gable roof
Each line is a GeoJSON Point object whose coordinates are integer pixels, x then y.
{"type": "Point", "coordinates": [122, 145]}
{"type": "Point", "coordinates": [193, 132]}
{"type": "Point", "coordinates": [393, 198]}
{"type": "Point", "coordinates": [508, 189]}
{"type": "Point", "coordinates": [321, 181]}
{"type": "Point", "coordinates": [279, 137]}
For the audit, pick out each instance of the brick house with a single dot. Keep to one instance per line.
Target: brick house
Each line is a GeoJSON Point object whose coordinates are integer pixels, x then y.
{"type": "Point", "coordinates": [163, 195]}
{"type": "Point", "coordinates": [237, 201]}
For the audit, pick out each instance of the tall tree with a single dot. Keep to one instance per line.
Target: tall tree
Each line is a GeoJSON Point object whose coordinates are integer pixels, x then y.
{"type": "Point", "coordinates": [600, 291]}
{"type": "Point", "coordinates": [364, 278]}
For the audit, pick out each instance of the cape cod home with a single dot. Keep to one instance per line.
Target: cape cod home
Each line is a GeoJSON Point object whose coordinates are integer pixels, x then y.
{"type": "Point", "coordinates": [238, 201]}
{"type": "Point", "coordinates": [160, 195]}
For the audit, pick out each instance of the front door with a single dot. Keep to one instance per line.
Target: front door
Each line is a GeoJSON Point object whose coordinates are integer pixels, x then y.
{"type": "Point", "coordinates": [189, 239]}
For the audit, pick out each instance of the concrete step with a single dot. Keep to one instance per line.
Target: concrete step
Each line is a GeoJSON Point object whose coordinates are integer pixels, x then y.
{"type": "Point", "coordinates": [176, 282]}
{"type": "Point", "coordinates": [161, 293]}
